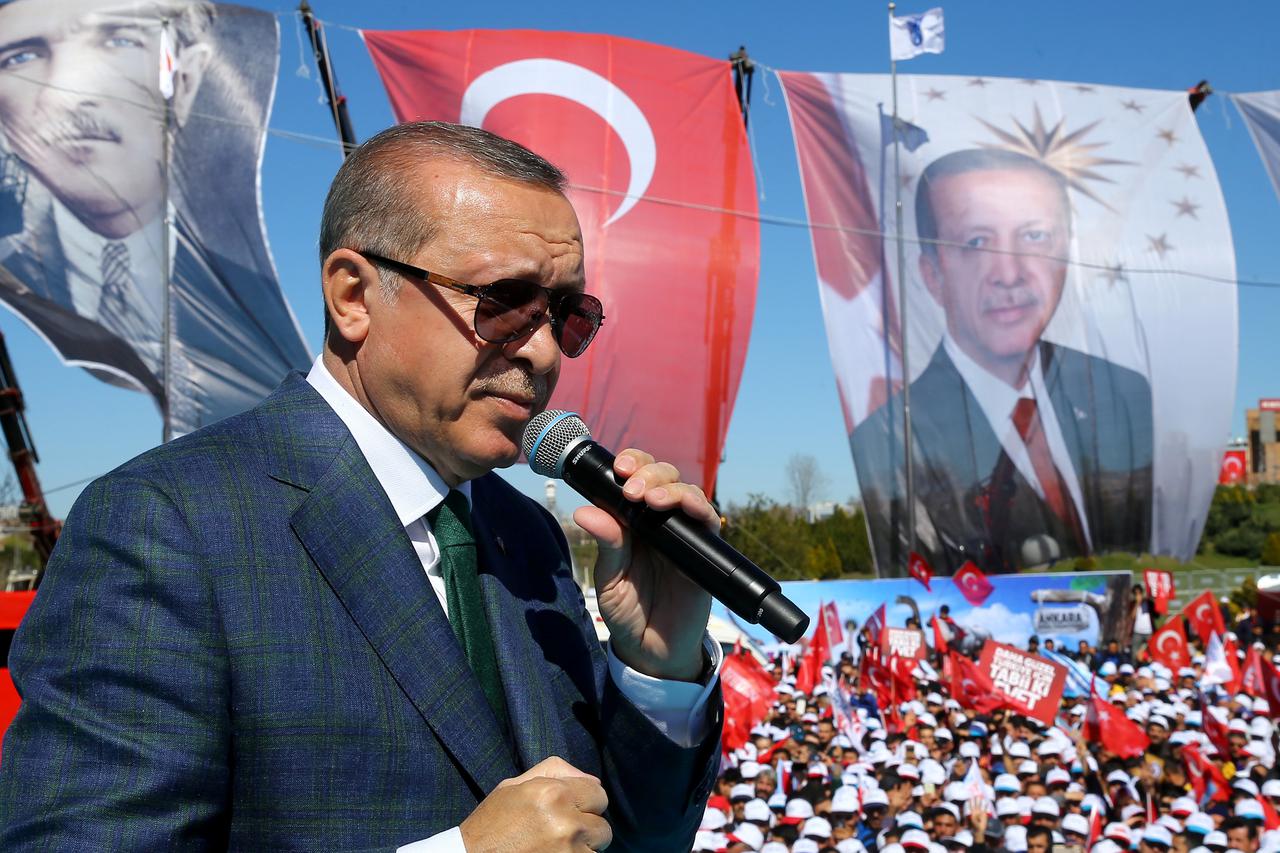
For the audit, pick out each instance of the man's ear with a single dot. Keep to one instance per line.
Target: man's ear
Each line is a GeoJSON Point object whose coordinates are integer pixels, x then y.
{"type": "Point", "coordinates": [349, 281]}
{"type": "Point", "coordinates": [932, 277]}
{"type": "Point", "coordinates": [192, 61]}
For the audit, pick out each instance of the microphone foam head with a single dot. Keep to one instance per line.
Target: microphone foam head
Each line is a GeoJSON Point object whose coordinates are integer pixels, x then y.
{"type": "Point", "coordinates": [548, 436]}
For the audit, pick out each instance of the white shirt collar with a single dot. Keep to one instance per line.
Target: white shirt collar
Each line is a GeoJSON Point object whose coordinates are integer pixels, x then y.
{"type": "Point", "coordinates": [412, 485]}
{"type": "Point", "coordinates": [82, 249]}
{"type": "Point", "coordinates": [996, 397]}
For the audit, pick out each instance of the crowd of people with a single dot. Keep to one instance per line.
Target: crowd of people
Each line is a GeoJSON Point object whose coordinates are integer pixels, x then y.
{"type": "Point", "coordinates": [932, 776]}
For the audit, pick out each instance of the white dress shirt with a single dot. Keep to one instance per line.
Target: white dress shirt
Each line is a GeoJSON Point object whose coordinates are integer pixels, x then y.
{"type": "Point", "coordinates": [997, 400]}
{"type": "Point", "coordinates": [678, 709]}
{"type": "Point", "coordinates": [82, 250]}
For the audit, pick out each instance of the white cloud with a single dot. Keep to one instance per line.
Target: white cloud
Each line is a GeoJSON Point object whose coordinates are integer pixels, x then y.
{"type": "Point", "coordinates": [1001, 623]}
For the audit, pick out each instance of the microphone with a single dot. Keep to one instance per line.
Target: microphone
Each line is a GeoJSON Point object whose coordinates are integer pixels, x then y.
{"type": "Point", "coordinates": [558, 444]}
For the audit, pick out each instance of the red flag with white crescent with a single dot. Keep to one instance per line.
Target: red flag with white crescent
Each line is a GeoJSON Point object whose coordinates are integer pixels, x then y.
{"type": "Point", "coordinates": [1160, 588]}
{"type": "Point", "coordinates": [1204, 616]}
{"type": "Point", "coordinates": [1251, 676]}
{"type": "Point", "coordinates": [660, 174]}
{"type": "Point", "coordinates": [1169, 645]}
{"type": "Point", "coordinates": [1106, 724]}
{"type": "Point", "coordinates": [918, 567]}
{"type": "Point", "coordinates": [972, 583]}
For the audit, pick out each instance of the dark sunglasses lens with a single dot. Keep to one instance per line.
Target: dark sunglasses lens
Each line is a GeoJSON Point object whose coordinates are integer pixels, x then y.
{"type": "Point", "coordinates": [509, 309]}
{"type": "Point", "coordinates": [577, 319]}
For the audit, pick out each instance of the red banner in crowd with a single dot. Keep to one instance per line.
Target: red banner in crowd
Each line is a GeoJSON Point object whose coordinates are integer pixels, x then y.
{"type": "Point", "coordinates": [905, 643]}
{"type": "Point", "coordinates": [1160, 588]}
{"type": "Point", "coordinates": [970, 685]}
{"type": "Point", "coordinates": [653, 143]}
{"type": "Point", "coordinates": [1204, 616]}
{"type": "Point", "coordinates": [1169, 645]}
{"type": "Point", "coordinates": [748, 694]}
{"type": "Point", "coordinates": [973, 584]}
{"type": "Point", "coordinates": [1270, 686]}
{"type": "Point", "coordinates": [1027, 682]}
{"type": "Point", "coordinates": [1233, 468]}
{"type": "Point", "coordinates": [1106, 724]}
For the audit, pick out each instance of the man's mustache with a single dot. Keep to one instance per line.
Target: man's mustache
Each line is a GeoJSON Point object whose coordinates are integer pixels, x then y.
{"type": "Point", "coordinates": [516, 384]}
{"type": "Point", "coordinates": [77, 126]}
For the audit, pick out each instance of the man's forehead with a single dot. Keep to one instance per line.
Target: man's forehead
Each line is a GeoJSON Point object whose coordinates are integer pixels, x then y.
{"type": "Point", "coordinates": [67, 16]}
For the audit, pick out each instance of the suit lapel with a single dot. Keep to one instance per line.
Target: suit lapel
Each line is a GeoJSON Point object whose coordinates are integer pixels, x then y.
{"type": "Point", "coordinates": [536, 731]}
{"type": "Point", "coordinates": [371, 566]}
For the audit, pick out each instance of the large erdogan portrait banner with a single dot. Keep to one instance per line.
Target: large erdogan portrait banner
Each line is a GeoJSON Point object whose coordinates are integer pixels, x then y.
{"type": "Point", "coordinates": [653, 144]}
{"type": "Point", "coordinates": [1066, 607]}
{"type": "Point", "coordinates": [1071, 312]}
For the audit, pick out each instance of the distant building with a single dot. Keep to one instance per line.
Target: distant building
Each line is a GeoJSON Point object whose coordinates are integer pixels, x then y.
{"type": "Point", "coordinates": [1261, 449]}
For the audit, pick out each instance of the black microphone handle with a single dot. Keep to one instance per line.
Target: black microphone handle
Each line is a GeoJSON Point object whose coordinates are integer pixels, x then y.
{"type": "Point", "coordinates": [702, 556]}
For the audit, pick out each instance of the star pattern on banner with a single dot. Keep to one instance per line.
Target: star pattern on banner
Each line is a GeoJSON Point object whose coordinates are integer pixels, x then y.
{"type": "Point", "coordinates": [935, 95]}
{"type": "Point", "coordinates": [1114, 274]}
{"type": "Point", "coordinates": [1186, 207]}
{"type": "Point", "coordinates": [979, 82]}
{"type": "Point", "coordinates": [1168, 136]}
{"type": "Point", "coordinates": [1159, 245]}
{"type": "Point", "coordinates": [1133, 105]}
{"type": "Point", "coordinates": [1065, 151]}
{"type": "Point", "coordinates": [1188, 170]}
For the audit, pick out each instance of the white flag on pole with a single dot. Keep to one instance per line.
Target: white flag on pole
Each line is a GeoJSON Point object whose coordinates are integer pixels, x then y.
{"type": "Point", "coordinates": [912, 35]}
{"type": "Point", "coordinates": [168, 63]}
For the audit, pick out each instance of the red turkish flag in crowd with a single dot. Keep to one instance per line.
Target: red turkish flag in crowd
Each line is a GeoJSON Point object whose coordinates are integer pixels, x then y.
{"type": "Point", "coordinates": [1214, 729]}
{"type": "Point", "coordinates": [877, 679]}
{"type": "Point", "coordinates": [1159, 588]}
{"type": "Point", "coordinates": [918, 567]}
{"type": "Point", "coordinates": [748, 695]}
{"type": "Point", "coordinates": [876, 624]}
{"type": "Point", "coordinates": [1204, 616]}
{"type": "Point", "coordinates": [1106, 724]}
{"type": "Point", "coordinates": [815, 655]}
{"type": "Point", "coordinates": [905, 683]}
{"type": "Point", "coordinates": [1270, 686]}
{"type": "Point", "coordinates": [1169, 645]}
{"type": "Point", "coordinates": [940, 644]}
{"type": "Point", "coordinates": [660, 174]}
{"type": "Point", "coordinates": [1207, 779]}
{"type": "Point", "coordinates": [972, 583]}
{"type": "Point", "coordinates": [835, 633]}
{"type": "Point", "coordinates": [1251, 675]}
{"type": "Point", "coordinates": [970, 686]}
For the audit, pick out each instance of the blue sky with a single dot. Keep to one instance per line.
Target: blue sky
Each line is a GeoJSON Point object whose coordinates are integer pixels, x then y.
{"type": "Point", "coordinates": [787, 403]}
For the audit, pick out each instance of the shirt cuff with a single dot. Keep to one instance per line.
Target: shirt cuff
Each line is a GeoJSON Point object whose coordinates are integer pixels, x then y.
{"type": "Point", "coordinates": [449, 841]}
{"type": "Point", "coordinates": [678, 709]}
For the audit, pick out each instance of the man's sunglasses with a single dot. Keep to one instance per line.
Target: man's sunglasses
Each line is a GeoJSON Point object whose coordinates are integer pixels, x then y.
{"type": "Point", "coordinates": [512, 308]}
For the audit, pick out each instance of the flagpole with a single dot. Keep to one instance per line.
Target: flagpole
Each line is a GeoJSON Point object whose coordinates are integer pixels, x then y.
{"type": "Point", "coordinates": [902, 306]}
{"type": "Point", "coordinates": [166, 261]}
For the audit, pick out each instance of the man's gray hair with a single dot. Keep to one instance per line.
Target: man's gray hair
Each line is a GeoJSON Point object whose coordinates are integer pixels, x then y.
{"type": "Point", "coordinates": [191, 19]}
{"type": "Point", "coordinates": [371, 206]}
{"type": "Point", "coordinates": [974, 160]}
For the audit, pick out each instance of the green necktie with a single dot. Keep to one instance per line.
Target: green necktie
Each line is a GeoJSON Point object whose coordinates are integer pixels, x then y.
{"type": "Point", "coordinates": [451, 524]}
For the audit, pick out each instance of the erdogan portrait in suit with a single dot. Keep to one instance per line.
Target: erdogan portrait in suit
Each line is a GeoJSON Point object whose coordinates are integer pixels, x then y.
{"type": "Point", "coordinates": [1024, 451]}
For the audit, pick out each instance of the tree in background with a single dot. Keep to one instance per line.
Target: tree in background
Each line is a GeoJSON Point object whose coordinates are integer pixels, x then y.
{"type": "Point", "coordinates": [805, 480]}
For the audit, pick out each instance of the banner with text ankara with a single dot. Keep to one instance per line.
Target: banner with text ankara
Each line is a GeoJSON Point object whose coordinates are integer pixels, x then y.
{"type": "Point", "coordinates": [1069, 304]}
{"type": "Point", "coordinates": [660, 174]}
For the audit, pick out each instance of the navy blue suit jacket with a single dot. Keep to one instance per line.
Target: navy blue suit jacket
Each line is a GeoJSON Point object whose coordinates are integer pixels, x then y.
{"type": "Point", "coordinates": [236, 646]}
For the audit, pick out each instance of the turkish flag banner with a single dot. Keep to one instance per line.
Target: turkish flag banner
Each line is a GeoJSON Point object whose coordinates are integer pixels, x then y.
{"type": "Point", "coordinates": [1160, 588]}
{"type": "Point", "coordinates": [1233, 468]}
{"type": "Point", "coordinates": [1270, 687]}
{"type": "Point", "coordinates": [1251, 675]}
{"type": "Point", "coordinates": [748, 694]}
{"type": "Point", "coordinates": [835, 633]}
{"type": "Point", "coordinates": [918, 567]}
{"type": "Point", "coordinates": [1207, 779]}
{"type": "Point", "coordinates": [1169, 645]}
{"type": "Point", "coordinates": [1027, 682]}
{"type": "Point", "coordinates": [652, 141]}
{"type": "Point", "coordinates": [904, 642]}
{"type": "Point", "coordinates": [973, 584]}
{"type": "Point", "coordinates": [1204, 616]}
{"type": "Point", "coordinates": [970, 685]}
{"type": "Point", "coordinates": [1106, 724]}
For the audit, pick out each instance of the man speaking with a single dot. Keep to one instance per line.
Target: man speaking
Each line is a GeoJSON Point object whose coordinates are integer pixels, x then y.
{"type": "Point", "coordinates": [1025, 450]}
{"type": "Point", "coordinates": [326, 624]}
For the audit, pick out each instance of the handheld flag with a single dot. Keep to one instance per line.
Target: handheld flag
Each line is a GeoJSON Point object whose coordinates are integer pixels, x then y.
{"type": "Point", "coordinates": [1107, 725]}
{"type": "Point", "coordinates": [973, 584]}
{"type": "Point", "coordinates": [1169, 645]}
{"type": "Point", "coordinates": [1204, 616]}
{"type": "Point", "coordinates": [918, 567]}
{"type": "Point", "coordinates": [912, 35]}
